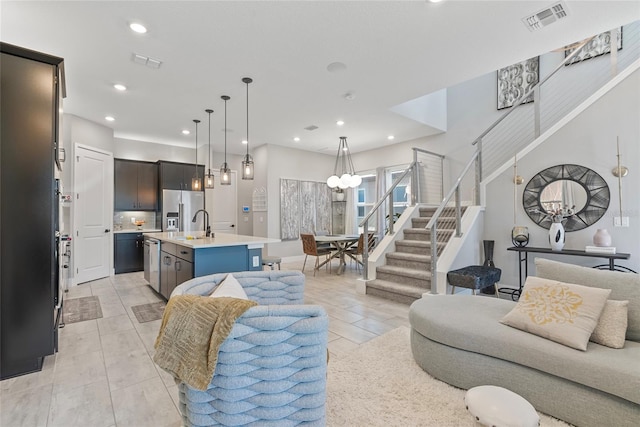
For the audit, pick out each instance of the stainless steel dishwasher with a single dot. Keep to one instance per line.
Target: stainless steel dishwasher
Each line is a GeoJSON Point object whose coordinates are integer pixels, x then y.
{"type": "Point", "coordinates": [152, 262]}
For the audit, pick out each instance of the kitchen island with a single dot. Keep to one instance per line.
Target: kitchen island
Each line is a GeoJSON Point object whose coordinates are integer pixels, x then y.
{"type": "Point", "coordinates": [184, 255]}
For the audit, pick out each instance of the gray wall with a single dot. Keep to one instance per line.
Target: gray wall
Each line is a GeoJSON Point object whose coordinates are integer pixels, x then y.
{"type": "Point", "coordinates": [588, 140]}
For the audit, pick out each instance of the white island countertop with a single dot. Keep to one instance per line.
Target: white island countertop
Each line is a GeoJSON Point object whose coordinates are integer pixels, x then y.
{"type": "Point", "coordinates": [197, 240]}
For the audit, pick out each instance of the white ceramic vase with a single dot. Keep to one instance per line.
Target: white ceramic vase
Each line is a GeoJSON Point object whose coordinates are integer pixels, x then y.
{"type": "Point", "coordinates": [339, 197]}
{"type": "Point", "coordinates": [602, 238]}
{"type": "Point", "coordinates": [556, 236]}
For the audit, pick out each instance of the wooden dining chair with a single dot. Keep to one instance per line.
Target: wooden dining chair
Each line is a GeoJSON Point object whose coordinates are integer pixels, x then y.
{"type": "Point", "coordinates": [359, 248]}
{"type": "Point", "coordinates": [309, 247]}
{"type": "Point", "coordinates": [322, 245]}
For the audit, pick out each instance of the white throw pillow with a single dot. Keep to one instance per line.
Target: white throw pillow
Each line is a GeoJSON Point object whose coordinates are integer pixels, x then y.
{"type": "Point", "coordinates": [229, 287]}
{"type": "Point", "coordinates": [561, 312]}
{"type": "Point", "coordinates": [612, 326]}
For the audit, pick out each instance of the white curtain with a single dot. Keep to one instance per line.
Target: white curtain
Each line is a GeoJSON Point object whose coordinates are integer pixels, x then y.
{"type": "Point", "coordinates": [350, 226]}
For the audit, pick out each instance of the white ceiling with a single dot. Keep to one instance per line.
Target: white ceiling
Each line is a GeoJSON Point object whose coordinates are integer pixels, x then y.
{"type": "Point", "coordinates": [395, 51]}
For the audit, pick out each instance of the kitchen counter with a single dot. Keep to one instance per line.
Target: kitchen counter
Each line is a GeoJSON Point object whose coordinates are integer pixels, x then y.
{"type": "Point", "coordinates": [183, 255]}
{"type": "Point", "coordinates": [134, 230]}
{"type": "Point", "coordinates": [197, 240]}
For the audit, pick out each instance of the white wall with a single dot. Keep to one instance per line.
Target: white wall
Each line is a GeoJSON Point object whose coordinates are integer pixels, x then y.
{"type": "Point", "coordinates": [285, 163]}
{"type": "Point", "coordinates": [588, 140]}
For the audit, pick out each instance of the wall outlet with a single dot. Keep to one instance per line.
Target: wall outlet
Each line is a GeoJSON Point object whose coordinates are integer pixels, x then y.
{"type": "Point", "coordinates": [621, 222]}
{"type": "Point", "coordinates": [256, 261]}
{"type": "Point", "coordinates": [133, 220]}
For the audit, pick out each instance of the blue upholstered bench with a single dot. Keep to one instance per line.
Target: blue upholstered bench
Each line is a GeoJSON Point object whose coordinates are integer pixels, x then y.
{"type": "Point", "coordinates": [474, 277]}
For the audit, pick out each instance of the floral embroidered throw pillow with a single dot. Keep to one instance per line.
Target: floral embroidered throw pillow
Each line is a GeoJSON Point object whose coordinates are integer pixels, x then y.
{"type": "Point", "coordinates": [561, 312]}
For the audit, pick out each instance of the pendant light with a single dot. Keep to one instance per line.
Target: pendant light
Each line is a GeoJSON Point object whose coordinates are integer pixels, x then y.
{"type": "Point", "coordinates": [247, 163]}
{"type": "Point", "coordinates": [225, 172]}
{"type": "Point", "coordinates": [348, 177]}
{"type": "Point", "coordinates": [208, 178]}
{"type": "Point", "coordinates": [196, 184]}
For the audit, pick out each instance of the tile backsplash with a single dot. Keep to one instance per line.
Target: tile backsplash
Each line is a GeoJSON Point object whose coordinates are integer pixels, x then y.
{"type": "Point", "coordinates": [124, 220]}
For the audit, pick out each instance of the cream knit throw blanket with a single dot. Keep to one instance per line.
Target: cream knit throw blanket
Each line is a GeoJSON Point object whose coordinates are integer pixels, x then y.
{"type": "Point", "coordinates": [193, 327]}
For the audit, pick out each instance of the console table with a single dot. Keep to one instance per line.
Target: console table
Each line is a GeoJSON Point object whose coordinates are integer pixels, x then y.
{"type": "Point", "coordinates": [523, 257]}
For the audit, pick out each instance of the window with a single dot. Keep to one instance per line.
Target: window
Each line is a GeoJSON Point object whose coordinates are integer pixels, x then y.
{"type": "Point", "coordinates": [366, 199]}
{"type": "Point", "coordinates": [402, 193]}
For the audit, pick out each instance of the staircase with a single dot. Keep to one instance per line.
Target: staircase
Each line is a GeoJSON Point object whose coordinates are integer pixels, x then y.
{"type": "Point", "coordinates": [406, 274]}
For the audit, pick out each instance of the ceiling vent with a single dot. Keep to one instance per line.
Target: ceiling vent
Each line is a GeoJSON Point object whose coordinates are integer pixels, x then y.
{"type": "Point", "coordinates": [312, 127]}
{"type": "Point", "coordinates": [147, 61]}
{"type": "Point", "coordinates": [546, 16]}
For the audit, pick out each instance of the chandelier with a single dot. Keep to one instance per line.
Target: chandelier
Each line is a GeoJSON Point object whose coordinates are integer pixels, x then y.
{"type": "Point", "coordinates": [344, 167]}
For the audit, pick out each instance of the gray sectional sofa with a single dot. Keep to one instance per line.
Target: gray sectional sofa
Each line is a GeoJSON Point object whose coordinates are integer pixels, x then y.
{"type": "Point", "coordinates": [459, 340]}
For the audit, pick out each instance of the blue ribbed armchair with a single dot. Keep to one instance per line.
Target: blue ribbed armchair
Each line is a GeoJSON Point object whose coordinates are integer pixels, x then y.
{"type": "Point", "coordinates": [272, 367]}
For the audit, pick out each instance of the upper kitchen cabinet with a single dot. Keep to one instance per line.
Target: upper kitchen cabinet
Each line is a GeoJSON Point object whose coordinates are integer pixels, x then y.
{"type": "Point", "coordinates": [177, 176]}
{"type": "Point", "coordinates": [136, 185]}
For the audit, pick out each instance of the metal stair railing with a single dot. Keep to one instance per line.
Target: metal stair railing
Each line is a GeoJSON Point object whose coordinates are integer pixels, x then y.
{"type": "Point", "coordinates": [416, 193]}
{"type": "Point", "coordinates": [501, 154]}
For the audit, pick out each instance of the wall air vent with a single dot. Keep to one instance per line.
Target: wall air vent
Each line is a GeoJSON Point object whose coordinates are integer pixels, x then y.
{"type": "Point", "coordinates": [546, 16]}
{"type": "Point", "coordinates": [312, 127]}
{"type": "Point", "coordinates": [147, 61]}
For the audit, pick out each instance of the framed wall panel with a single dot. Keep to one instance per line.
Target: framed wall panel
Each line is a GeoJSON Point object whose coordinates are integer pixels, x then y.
{"type": "Point", "coordinates": [323, 207]}
{"type": "Point", "coordinates": [289, 209]}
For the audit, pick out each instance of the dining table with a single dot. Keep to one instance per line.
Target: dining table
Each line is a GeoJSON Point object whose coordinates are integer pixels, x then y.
{"type": "Point", "coordinates": [341, 243]}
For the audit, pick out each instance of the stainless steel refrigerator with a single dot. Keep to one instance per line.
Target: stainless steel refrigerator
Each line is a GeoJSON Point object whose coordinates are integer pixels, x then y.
{"type": "Point", "coordinates": [179, 207]}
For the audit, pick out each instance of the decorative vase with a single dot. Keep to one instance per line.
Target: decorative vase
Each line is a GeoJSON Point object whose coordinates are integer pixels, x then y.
{"type": "Point", "coordinates": [488, 262]}
{"type": "Point", "coordinates": [340, 196]}
{"type": "Point", "coordinates": [602, 238]}
{"type": "Point", "coordinates": [488, 253]}
{"type": "Point", "coordinates": [556, 236]}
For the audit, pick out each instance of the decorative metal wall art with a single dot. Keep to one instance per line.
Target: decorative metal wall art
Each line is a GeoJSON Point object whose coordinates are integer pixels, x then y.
{"type": "Point", "coordinates": [600, 45]}
{"type": "Point", "coordinates": [595, 206]}
{"type": "Point", "coordinates": [516, 80]}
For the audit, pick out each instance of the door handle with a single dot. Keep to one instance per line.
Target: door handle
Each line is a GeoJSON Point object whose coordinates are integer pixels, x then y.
{"type": "Point", "coordinates": [106, 230]}
{"type": "Point", "coordinates": [232, 225]}
{"type": "Point", "coordinates": [178, 266]}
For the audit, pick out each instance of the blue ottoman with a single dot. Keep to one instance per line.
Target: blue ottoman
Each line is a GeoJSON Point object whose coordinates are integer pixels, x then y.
{"type": "Point", "coordinates": [474, 277]}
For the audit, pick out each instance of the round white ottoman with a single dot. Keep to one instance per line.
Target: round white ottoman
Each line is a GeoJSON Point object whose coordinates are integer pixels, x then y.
{"type": "Point", "coordinates": [498, 407]}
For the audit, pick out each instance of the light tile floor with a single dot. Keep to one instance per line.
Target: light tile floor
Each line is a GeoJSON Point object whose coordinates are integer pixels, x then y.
{"type": "Point", "coordinates": [104, 375]}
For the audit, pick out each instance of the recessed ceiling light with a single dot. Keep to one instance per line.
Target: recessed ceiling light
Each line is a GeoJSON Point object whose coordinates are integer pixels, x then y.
{"type": "Point", "coordinates": [296, 139]}
{"type": "Point", "coordinates": [109, 118]}
{"type": "Point", "coordinates": [185, 132]}
{"type": "Point", "coordinates": [245, 142]}
{"type": "Point", "coordinates": [390, 137]}
{"type": "Point", "coordinates": [339, 122]}
{"type": "Point", "coordinates": [435, 1]}
{"type": "Point", "coordinates": [138, 28]}
{"type": "Point", "coordinates": [120, 87]}
{"type": "Point", "coordinates": [336, 67]}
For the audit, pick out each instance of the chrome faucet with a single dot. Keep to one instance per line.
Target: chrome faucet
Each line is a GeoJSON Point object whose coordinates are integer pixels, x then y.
{"type": "Point", "coordinates": [206, 216]}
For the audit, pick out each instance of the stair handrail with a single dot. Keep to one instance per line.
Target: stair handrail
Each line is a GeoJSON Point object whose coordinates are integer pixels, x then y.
{"type": "Point", "coordinates": [477, 159]}
{"type": "Point", "coordinates": [388, 195]}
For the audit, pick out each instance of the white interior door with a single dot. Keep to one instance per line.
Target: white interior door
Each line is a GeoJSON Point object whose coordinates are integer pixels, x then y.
{"type": "Point", "coordinates": [93, 213]}
{"type": "Point", "coordinates": [222, 205]}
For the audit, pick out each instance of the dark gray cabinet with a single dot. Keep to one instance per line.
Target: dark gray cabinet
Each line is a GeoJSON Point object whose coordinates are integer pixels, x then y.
{"type": "Point", "coordinates": [178, 176]}
{"type": "Point", "coordinates": [30, 84]}
{"type": "Point", "coordinates": [136, 185]}
{"type": "Point", "coordinates": [176, 264]}
{"type": "Point", "coordinates": [129, 252]}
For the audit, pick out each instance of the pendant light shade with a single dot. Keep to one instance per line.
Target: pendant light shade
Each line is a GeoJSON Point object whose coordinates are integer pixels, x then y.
{"type": "Point", "coordinates": [247, 162]}
{"type": "Point", "coordinates": [225, 172]}
{"type": "Point", "coordinates": [208, 177]}
{"type": "Point", "coordinates": [196, 184]}
{"type": "Point", "coordinates": [344, 175]}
